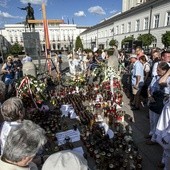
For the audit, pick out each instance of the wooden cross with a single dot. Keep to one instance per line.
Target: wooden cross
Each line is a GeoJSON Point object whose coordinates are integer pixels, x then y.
{"type": "Point", "coordinates": [46, 34]}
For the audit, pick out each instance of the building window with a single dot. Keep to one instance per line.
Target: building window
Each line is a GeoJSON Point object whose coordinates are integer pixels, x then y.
{"type": "Point", "coordinates": [11, 39]}
{"type": "Point", "coordinates": [137, 25]}
{"type": "Point", "coordinates": [146, 23]}
{"type": "Point", "coordinates": [156, 21]}
{"type": "Point", "coordinates": [117, 29]}
{"type": "Point", "coordinates": [123, 29]}
{"type": "Point", "coordinates": [129, 27]}
{"type": "Point", "coordinates": [16, 39]}
{"type": "Point", "coordinates": [168, 19]}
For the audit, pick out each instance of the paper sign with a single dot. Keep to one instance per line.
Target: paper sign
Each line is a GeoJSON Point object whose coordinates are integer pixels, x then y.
{"type": "Point", "coordinates": [74, 136]}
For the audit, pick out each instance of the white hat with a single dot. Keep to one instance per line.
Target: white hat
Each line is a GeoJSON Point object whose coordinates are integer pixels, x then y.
{"type": "Point", "coordinates": [99, 118]}
{"type": "Point", "coordinates": [133, 56]}
{"type": "Point", "coordinates": [65, 160]}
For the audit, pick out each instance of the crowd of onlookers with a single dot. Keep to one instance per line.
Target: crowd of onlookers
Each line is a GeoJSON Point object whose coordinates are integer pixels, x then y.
{"type": "Point", "coordinates": [150, 84]}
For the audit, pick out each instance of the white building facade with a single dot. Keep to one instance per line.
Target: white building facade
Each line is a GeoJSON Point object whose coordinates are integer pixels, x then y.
{"type": "Point", "coordinates": [62, 36]}
{"type": "Point", "coordinates": [128, 4]}
{"type": "Point", "coordinates": [150, 17]}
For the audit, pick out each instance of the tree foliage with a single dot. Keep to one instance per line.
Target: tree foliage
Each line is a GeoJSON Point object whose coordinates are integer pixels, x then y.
{"type": "Point", "coordinates": [16, 48]}
{"type": "Point", "coordinates": [113, 42]}
{"type": "Point", "coordinates": [146, 39]}
{"type": "Point", "coordinates": [78, 43]}
{"type": "Point", "coordinates": [130, 38]}
{"type": "Point", "coordinates": [166, 39]}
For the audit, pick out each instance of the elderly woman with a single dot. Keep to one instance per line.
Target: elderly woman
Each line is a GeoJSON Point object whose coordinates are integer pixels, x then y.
{"type": "Point", "coordinates": [12, 111]}
{"type": "Point", "coordinates": [21, 146]}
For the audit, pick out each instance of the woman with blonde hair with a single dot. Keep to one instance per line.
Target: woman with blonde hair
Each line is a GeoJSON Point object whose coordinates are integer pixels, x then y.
{"type": "Point", "coordinates": [9, 73]}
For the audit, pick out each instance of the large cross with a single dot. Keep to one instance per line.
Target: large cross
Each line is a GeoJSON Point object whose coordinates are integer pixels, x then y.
{"type": "Point", "coordinates": [51, 21]}
{"type": "Point", "coordinates": [46, 34]}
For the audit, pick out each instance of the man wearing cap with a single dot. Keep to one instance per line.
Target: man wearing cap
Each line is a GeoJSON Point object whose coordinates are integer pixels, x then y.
{"type": "Point", "coordinates": [137, 80]}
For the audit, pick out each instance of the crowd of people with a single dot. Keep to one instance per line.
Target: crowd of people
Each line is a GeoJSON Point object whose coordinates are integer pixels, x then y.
{"type": "Point", "coordinates": [21, 140]}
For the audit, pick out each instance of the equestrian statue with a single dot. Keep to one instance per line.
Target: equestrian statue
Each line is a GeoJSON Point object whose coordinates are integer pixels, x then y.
{"type": "Point", "coordinates": [29, 16]}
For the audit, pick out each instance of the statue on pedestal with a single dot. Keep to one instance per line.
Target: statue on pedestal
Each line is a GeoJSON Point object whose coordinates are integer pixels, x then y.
{"type": "Point", "coordinates": [30, 14]}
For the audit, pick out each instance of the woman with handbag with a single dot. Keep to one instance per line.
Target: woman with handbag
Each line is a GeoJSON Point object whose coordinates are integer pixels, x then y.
{"type": "Point", "coordinates": [156, 95]}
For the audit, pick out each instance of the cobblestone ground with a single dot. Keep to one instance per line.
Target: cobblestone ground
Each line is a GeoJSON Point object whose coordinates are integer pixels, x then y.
{"type": "Point", "coordinates": [151, 153]}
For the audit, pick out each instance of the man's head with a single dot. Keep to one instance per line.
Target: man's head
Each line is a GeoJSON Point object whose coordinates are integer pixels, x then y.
{"type": "Point", "coordinates": [29, 4]}
{"type": "Point", "coordinates": [133, 58]}
{"type": "Point", "coordinates": [142, 59]}
{"type": "Point", "coordinates": [23, 142]}
{"type": "Point", "coordinates": [65, 160]}
{"type": "Point", "coordinates": [139, 51]}
{"type": "Point", "coordinates": [156, 55]}
{"type": "Point", "coordinates": [165, 56]}
{"type": "Point", "coordinates": [162, 68]}
{"type": "Point", "coordinates": [12, 109]}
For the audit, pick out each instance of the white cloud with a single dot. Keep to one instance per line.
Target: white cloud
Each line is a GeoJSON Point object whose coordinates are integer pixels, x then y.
{"type": "Point", "coordinates": [113, 11]}
{"type": "Point", "coordinates": [37, 2]}
{"type": "Point", "coordinates": [3, 3]}
{"type": "Point", "coordinates": [97, 10]}
{"type": "Point", "coordinates": [7, 15]}
{"type": "Point", "coordinates": [80, 14]}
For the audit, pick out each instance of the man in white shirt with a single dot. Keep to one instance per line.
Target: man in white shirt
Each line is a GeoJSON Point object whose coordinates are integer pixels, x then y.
{"type": "Point", "coordinates": [27, 58]}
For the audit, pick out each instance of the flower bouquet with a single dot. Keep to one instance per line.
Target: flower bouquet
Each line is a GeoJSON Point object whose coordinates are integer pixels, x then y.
{"type": "Point", "coordinates": [78, 81]}
{"type": "Point", "coordinates": [30, 89]}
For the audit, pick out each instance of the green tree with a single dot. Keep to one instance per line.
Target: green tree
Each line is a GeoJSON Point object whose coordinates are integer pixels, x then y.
{"type": "Point", "coordinates": [113, 42]}
{"type": "Point", "coordinates": [78, 43]}
{"type": "Point", "coordinates": [127, 39]}
{"type": "Point", "coordinates": [146, 39]}
{"type": "Point", "coordinates": [166, 39]}
{"type": "Point", "coordinates": [16, 48]}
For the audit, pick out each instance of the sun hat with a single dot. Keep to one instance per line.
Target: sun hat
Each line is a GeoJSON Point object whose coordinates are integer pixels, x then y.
{"type": "Point", "coordinates": [65, 160]}
{"type": "Point", "coordinates": [133, 56]}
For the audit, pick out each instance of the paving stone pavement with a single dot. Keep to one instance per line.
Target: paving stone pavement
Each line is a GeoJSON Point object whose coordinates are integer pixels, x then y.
{"type": "Point", "coordinates": [151, 153]}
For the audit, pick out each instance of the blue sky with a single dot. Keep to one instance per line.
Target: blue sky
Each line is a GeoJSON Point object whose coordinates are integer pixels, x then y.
{"type": "Point", "coordinates": [83, 12]}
